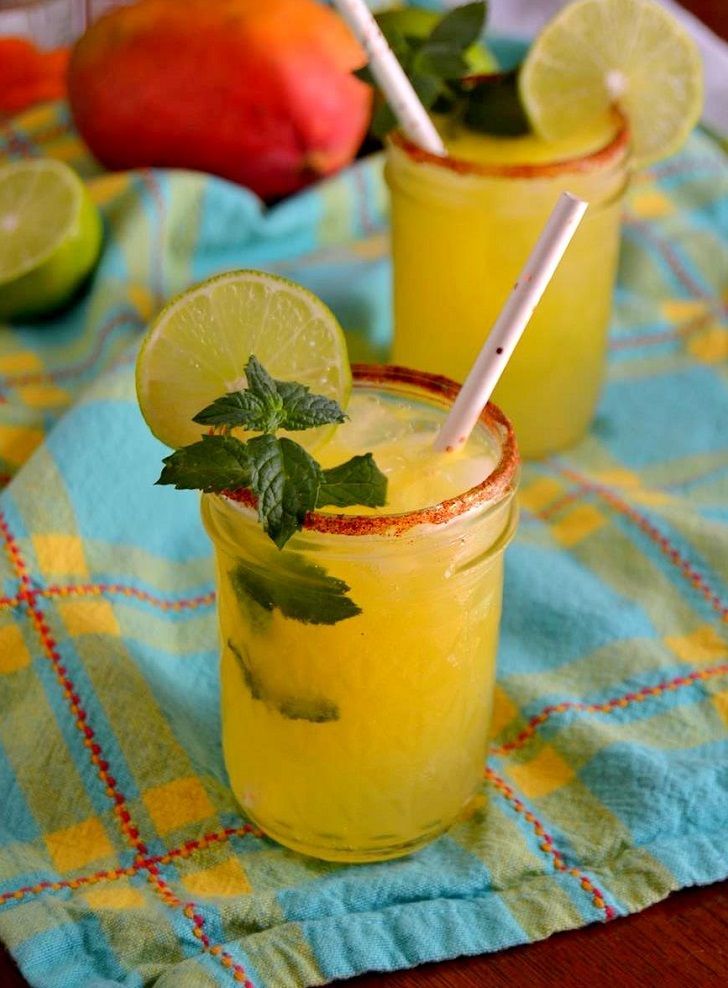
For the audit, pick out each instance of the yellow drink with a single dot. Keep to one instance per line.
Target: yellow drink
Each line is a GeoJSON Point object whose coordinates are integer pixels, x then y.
{"type": "Point", "coordinates": [462, 227]}
{"type": "Point", "coordinates": [364, 739]}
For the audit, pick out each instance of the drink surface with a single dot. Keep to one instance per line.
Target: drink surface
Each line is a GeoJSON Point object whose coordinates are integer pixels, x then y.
{"type": "Point", "coordinates": [487, 149]}
{"type": "Point", "coordinates": [365, 738]}
{"type": "Point", "coordinates": [400, 433]}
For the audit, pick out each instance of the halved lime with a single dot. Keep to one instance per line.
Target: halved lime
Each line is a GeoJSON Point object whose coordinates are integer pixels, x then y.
{"type": "Point", "coordinates": [50, 236]}
{"type": "Point", "coordinates": [197, 348]}
{"type": "Point", "coordinates": [632, 53]}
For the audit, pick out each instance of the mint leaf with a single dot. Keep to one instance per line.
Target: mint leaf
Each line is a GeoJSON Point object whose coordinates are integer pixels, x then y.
{"type": "Point", "coordinates": [492, 105]}
{"type": "Point", "coordinates": [303, 410]}
{"type": "Point", "coordinates": [401, 44]}
{"type": "Point", "coordinates": [438, 61]}
{"type": "Point", "coordinates": [258, 408]}
{"type": "Point", "coordinates": [364, 74]}
{"type": "Point", "coordinates": [383, 120]}
{"type": "Point", "coordinates": [406, 49]}
{"type": "Point", "coordinates": [286, 481]}
{"type": "Point", "coordinates": [316, 709]}
{"type": "Point", "coordinates": [259, 381]}
{"type": "Point", "coordinates": [459, 28]}
{"type": "Point", "coordinates": [428, 87]}
{"type": "Point", "coordinates": [443, 53]}
{"type": "Point", "coordinates": [215, 463]}
{"type": "Point", "coordinates": [256, 617]}
{"type": "Point", "coordinates": [251, 680]}
{"type": "Point", "coordinates": [358, 481]}
{"type": "Point", "coordinates": [239, 409]}
{"type": "Point", "coordinates": [300, 590]}
{"type": "Point", "coordinates": [267, 405]}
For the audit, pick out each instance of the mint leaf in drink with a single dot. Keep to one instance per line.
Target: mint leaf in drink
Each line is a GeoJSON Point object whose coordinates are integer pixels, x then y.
{"type": "Point", "coordinates": [268, 405]}
{"type": "Point", "coordinates": [316, 709]}
{"type": "Point", "coordinates": [300, 590]}
{"type": "Point", "coordinates": [358, 481]}
{"type": "Point", "coordinates": [215, 463]}
{"type": "Point", "coordinates": [257, 618]}
{"type": "Point", "coordinates": [285, 479]}
{"type": "Point", "coordinates": [251, 680]}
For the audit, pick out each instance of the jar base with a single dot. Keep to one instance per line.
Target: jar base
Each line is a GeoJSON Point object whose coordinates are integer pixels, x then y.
{"type": "Point", "coordinates": [344, 854]}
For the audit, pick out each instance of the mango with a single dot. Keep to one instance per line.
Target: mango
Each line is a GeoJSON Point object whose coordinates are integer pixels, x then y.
{"type": "Point", "coordinates": [29, 75]}
{"type": "Point", "coordinates": [257, 91]}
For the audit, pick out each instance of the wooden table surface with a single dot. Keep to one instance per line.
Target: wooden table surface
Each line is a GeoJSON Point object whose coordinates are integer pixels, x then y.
{"type": "Point", "coordinates": [713, 12]}
{"type": "Point", "coordinates": [679, 943]}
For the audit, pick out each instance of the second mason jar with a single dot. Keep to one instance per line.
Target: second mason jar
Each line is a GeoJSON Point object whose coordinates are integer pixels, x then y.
{"type": "Point", "coordinates": [462, 228]}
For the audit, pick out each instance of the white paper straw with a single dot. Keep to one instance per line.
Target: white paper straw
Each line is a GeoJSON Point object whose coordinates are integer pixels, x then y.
{"type": "Point", "coordinates": [510, 324]}
{"type": "Point", "coordinates": [391, 78]}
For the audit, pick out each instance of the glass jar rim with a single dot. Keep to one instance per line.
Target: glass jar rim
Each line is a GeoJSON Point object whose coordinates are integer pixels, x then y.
{"type": "Point", "coordinates": [610, 153]}
{"type": "Point", "coordinates": [499, 483]}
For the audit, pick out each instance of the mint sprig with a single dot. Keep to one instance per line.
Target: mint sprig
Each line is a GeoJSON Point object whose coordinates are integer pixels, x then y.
{"type": "Point", "coordinates": [287, 482]}
{"type": "Point", "coordinates": [437, 67]}
{"type": "Point", "coordinates": [267, 405]}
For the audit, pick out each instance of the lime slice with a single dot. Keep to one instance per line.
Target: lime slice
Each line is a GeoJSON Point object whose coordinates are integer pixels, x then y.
{"type": "Point", "coordinates": [632, 53]}
{"type": "Point", "coordinates": [50, 236]}
{"type": "Point", "coordinates": [197, 348]}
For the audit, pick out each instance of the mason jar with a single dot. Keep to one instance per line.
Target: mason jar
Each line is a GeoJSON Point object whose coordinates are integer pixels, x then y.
{"type": "Point", "coordinates": [365, 738]}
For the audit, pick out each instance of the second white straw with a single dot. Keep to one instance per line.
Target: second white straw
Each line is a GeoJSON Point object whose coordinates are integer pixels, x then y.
{"type": "Point", "coordinates": [391, 78]}
{"type": "Point", "coordinates": [510, 324]}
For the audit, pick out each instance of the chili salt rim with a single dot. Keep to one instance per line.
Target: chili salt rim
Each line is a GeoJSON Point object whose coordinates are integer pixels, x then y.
{"type": "Point", "coordinates": [614, 149]}
{"type": "Point", "coordinates": [495, 486]}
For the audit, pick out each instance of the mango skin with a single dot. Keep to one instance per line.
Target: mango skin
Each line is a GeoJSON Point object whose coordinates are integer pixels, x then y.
{"type": "Point", "coordinates": [256, 91]}
{"type": "Point", "coordinates": [29, 75]}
